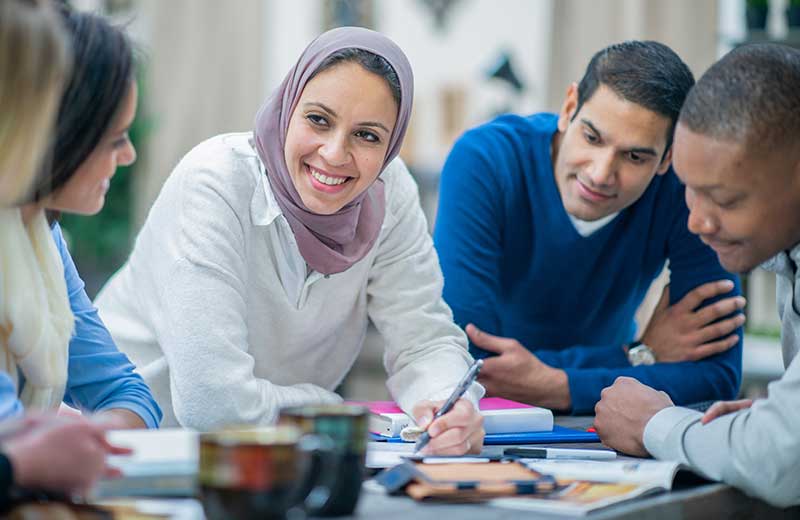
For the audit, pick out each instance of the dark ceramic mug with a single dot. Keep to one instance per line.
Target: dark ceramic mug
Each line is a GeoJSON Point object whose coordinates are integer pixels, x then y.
{"type": "Point", "coordinates": [346, 426]}
{"type": "Point", "coordinates": [263, 472]}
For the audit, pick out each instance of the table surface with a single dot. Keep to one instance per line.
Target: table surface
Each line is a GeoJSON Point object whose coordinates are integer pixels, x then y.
{"type": "Point", "coordinates": [701, 500]}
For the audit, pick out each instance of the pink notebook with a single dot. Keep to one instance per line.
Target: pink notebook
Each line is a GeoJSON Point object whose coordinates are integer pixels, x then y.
{"type": "Point", "coordinates": [499, 416]}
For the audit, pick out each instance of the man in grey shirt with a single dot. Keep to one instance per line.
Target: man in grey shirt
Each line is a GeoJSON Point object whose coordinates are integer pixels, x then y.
{"type": "Point", "coordinates": [737, 149]}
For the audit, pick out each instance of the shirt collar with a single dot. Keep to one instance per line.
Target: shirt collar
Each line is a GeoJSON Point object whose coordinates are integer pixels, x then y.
{"type": "Point", "coordinates": [587, 227]}
{"type": "Point", "coordinates": [784, 263]}
{"type": "Point", "coordinates": [264, 208]}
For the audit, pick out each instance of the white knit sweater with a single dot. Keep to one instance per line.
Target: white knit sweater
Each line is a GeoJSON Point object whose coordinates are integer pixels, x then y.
{"type": "Point", "coordinates": [215, 308]}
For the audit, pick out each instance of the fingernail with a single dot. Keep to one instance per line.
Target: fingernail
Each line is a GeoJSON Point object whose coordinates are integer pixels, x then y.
{"type": "Point", "coordinates": [433, 431]}
{"type": "Point", "coordinates": [727, 284]}
{"type": "Point", "coordinates": [424, 421]}
{"type": "Point", "coordinates": [741, 301]}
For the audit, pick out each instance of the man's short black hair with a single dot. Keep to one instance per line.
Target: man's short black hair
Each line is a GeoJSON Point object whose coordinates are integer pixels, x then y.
{"type": "Point", "coordinates": [751, 96]}
{"type": "Point", "coordinates": [646, 73]}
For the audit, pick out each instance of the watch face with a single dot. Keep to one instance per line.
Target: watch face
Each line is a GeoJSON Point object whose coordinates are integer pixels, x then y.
{"type": "Point", "coordinates": [641, 355]}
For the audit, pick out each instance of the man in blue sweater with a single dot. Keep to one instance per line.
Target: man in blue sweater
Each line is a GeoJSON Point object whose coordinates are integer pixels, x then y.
{"type": "Point", "coordinates": [552, 227]}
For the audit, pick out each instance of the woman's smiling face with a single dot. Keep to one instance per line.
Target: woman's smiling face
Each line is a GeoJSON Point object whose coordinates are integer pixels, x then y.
{"type": "Point", "coordinates": [338, 136]}
{"type": "Point", "coordinates": [85, 192]}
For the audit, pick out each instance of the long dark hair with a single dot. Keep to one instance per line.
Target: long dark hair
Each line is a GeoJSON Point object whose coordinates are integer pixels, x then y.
{"type": "Point", "coordinates": [101, 77]}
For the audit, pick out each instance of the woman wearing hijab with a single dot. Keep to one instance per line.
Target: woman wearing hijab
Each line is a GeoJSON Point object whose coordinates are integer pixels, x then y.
{"type": "Point", "coordinates": [252, 282]}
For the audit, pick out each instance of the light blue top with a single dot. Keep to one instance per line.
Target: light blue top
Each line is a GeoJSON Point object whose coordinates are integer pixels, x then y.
{"type": "Point", "coordinates": [100, 376]}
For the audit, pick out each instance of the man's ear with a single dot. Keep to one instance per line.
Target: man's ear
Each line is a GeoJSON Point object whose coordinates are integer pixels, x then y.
{"type": "Point", "coordinates": [665, 163]}
{"type": "Point", "coordinates": [568, 107]}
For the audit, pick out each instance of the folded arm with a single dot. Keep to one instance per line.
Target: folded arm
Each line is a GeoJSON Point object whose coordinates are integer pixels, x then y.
{"type": "Point", "coordinates": [685, 383]}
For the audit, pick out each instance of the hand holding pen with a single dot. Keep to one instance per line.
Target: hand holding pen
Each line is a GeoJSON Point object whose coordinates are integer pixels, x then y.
{"type": "Point", "coordinates": [456, 427]}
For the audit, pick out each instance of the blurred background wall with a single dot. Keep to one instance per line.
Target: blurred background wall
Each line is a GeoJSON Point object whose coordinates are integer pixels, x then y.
{"type": "Point", "coordinates": [206, 66]}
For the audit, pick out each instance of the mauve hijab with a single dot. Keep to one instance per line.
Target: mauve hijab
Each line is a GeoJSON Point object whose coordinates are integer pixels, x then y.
{"type": "Point", "coordinates": [330, 243]}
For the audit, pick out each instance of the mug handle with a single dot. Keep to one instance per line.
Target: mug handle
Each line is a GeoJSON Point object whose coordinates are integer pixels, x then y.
{"type": "Point", "coordinates": [321, 475]}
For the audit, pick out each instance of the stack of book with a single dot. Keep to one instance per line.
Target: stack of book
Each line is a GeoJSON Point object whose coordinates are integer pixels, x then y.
{"type": "Point", "coordinates": [505, 422]}
{"type": "Point", "coordinates": [499, 416]}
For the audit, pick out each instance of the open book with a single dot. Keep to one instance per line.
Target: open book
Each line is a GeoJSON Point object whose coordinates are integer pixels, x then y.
{"type": "Point", "coordinates": [499, 416]}
{"type": "Point", "coordinates": [588, 485]}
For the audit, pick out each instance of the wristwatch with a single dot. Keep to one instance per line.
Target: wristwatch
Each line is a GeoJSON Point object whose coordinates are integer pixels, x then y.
{"type": "Point", "coordinates": [640, 354]}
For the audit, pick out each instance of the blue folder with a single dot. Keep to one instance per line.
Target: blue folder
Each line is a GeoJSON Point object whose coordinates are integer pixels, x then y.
{"type": "Point", "coordinates": [559, 434]}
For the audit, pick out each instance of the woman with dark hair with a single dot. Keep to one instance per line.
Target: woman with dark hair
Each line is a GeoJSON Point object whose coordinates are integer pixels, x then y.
{"type": "Point", "coordinates": [65, 353]}
{"type": "Point", "coordinates": [42, 451]}
{"type": "Point", "coordinates": [267, 253]}
{"type": "Point", "coordinates": [96, 109]}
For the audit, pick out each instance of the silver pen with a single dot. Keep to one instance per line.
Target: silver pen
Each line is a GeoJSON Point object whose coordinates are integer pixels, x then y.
{"type": "Point", "coordinates": [457, 394]}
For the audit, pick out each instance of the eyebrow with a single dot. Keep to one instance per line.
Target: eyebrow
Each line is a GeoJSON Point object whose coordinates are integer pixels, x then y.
{"type": "Point", "coordinates": [376, 124]}
{"type": "Point", "coordinates": [636, 149]}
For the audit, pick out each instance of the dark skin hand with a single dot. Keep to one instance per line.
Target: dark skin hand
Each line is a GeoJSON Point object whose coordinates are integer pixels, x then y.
{"type": "Point", "coordinates": [721, 408]}
{"type": "Point", "coordinates": [624, 410]}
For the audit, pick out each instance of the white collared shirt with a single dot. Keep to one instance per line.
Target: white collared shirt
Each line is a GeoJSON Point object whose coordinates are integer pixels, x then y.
{"type": "Point", "coordinates": [215, 308]}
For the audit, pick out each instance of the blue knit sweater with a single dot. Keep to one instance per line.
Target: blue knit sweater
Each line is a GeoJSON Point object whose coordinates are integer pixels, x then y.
{"type": "Point", "coordinates": [515, 266]}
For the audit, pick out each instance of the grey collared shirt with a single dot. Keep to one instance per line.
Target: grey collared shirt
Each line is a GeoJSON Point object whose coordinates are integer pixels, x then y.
{"type": "Point", "coordinates": [757, 449]}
